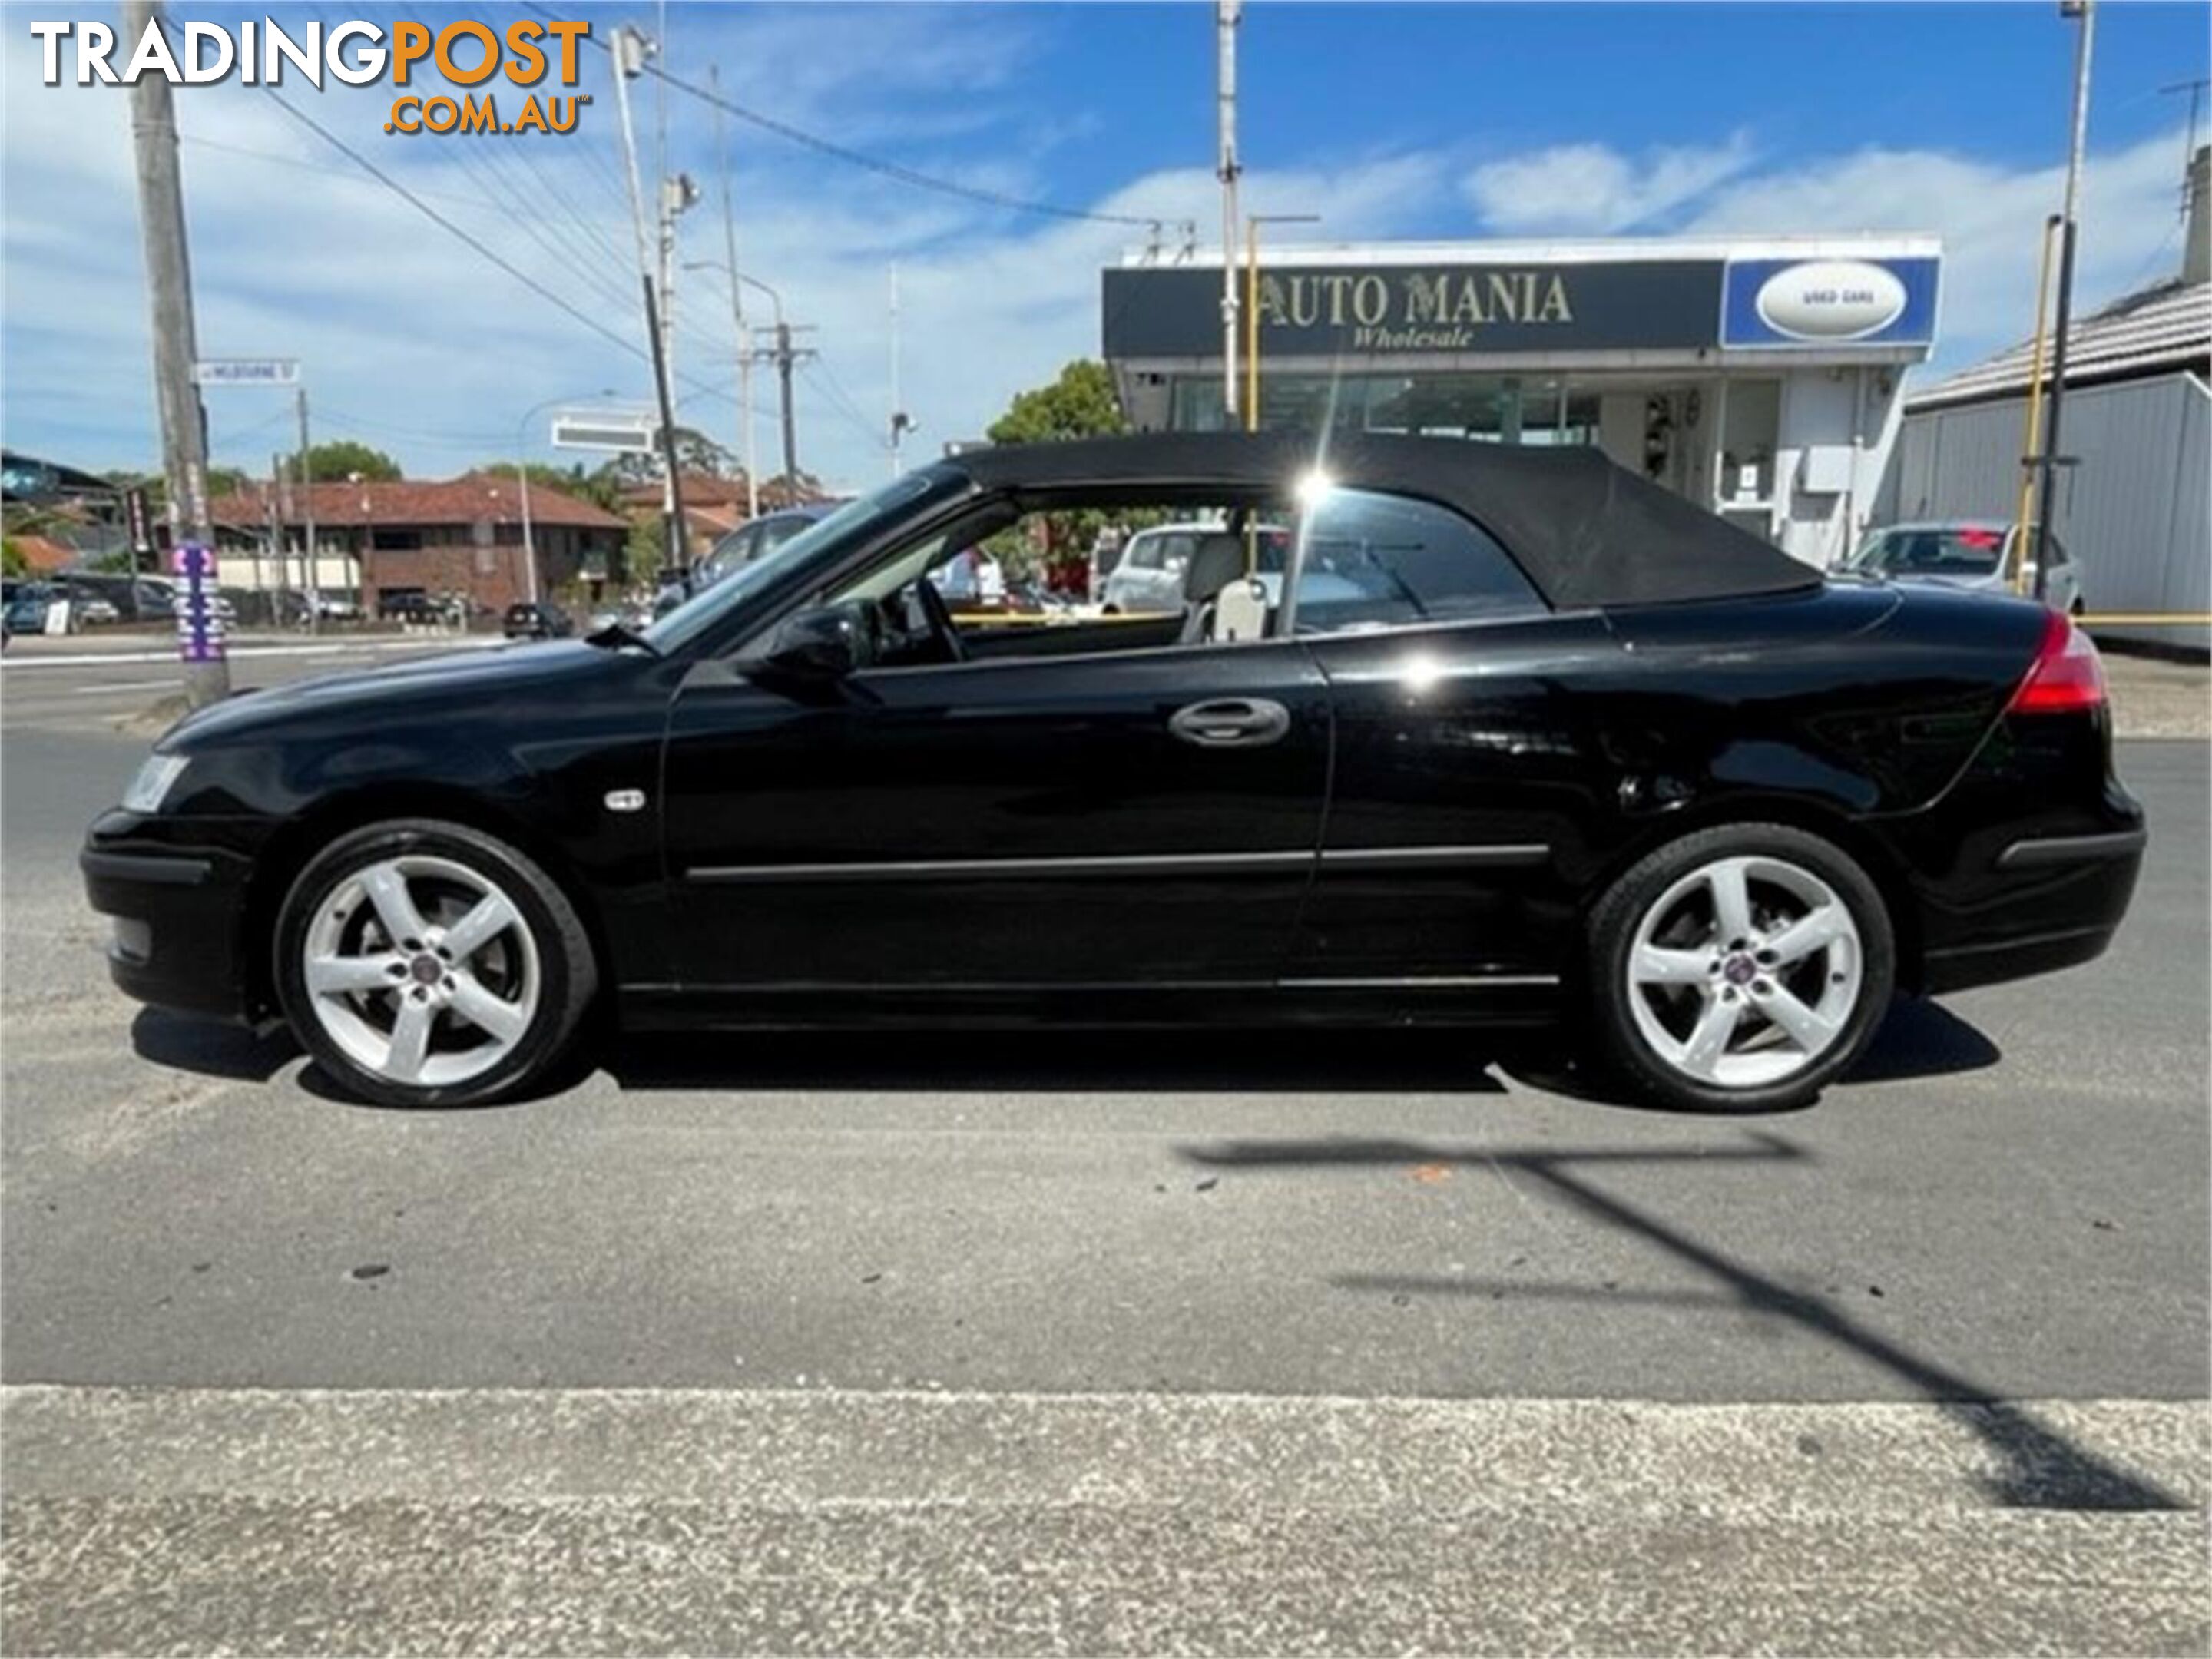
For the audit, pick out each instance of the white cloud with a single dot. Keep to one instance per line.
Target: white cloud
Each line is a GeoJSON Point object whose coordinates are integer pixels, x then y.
{"type": "Point", "coordinates": [1595, 190]}
{"type": "Point", "coordinates": [414, 343]}
{"type": "Point", "coordinates": [1990, 217]}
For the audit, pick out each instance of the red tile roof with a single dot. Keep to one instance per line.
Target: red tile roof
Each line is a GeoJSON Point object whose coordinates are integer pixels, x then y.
{"type": "Point", "coordinates": [43, 553]}
{"type": "Point", "coordinates": [700, 489]}
{"type": "Point", "coordinates": [459, 501]}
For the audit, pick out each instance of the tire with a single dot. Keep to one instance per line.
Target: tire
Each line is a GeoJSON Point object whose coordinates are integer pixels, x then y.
{"type": "Point", "coordinates": [1794, 996]}
{"type": "Point", "coordinates": [402, 1005]}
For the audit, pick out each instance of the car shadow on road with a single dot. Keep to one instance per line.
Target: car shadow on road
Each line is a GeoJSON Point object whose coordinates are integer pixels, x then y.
{"type": "Point", "coordinates": [1918, 1039]}
{"type": "Point", "coordinates": [211, 1048]}
{"type": "Point", "coordinates": [1222, 1060]}
{"type": "Point", "coordinates": [2038, 1467]}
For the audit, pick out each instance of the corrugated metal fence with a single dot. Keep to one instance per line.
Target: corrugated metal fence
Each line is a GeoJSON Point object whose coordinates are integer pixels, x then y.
{"type": "Point", "coordinates": [2136, 513]}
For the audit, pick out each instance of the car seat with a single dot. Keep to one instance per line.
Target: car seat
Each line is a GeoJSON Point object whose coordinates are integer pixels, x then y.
{"type": "Point", "coordinates": [1217, 561]}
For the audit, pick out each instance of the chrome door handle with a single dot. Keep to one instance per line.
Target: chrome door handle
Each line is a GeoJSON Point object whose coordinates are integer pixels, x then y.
{"type": "Point", "coordinates": [1230, 722]}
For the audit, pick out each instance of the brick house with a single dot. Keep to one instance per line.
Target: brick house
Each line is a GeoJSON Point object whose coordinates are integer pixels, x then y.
{"type": "Point", "coordinates": [380, 540]}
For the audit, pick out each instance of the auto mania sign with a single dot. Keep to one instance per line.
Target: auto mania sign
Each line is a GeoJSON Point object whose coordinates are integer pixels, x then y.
{"type": "Point", "coordinates": [1565, 305]}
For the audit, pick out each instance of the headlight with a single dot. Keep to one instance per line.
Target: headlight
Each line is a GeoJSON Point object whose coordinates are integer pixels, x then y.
{"type": "Point", "coordinates": [152, 782]}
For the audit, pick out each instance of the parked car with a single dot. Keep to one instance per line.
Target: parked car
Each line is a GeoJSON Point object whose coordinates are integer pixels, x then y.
{"type": "Point", "coordinates": [1565, 750]}
{"type": "Point", "coordinates": [759, 537]}
{"type": "Point", "coordinates": [538, 620]}
{"type": "Point", "coordinates": [26, 609]}
{"type": "Point", "coordinates": [326, 608]}
{"type": "Point", "coordinates": [409, 604]}
{"type": "Point", "coordinates": [1147, 576]}
{"type": "Point", "coordinates": [1979, 555]}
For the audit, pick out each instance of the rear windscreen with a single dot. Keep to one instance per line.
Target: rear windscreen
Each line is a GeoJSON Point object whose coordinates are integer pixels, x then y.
{"type": "Point", "coordinates": [1946, 550]}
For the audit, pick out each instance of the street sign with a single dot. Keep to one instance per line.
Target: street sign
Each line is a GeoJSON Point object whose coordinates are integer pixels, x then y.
{"type": "Point", "coordinates": [199, 623]}
{"type": "Point", "coordinates": [625, 431]}
{"type": "Point", "coordinates": [246, 371]}
{"type": "Point", "coordinates": [141, 522]}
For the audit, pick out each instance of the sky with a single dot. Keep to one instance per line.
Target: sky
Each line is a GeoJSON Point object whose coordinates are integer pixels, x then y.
{"type": "Point", "coordinates": [1390, 121]}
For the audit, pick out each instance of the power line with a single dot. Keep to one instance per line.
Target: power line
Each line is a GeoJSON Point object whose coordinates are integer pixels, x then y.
{"type": "Point", "coordinates": [894, 170]}
{"type": "Point", "coordinates": [440, 220]}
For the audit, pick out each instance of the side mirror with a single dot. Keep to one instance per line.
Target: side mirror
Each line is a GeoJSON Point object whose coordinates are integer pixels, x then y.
{"type": "Point", "coordinates": [816, 646]}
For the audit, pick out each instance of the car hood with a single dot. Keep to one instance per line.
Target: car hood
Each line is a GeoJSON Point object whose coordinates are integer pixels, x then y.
{"type": "Point", "coordinates": [468, 676]}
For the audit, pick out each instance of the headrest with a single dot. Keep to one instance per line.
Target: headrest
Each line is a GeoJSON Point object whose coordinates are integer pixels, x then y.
{"type": "Point", "coordinates": [1219, 561]}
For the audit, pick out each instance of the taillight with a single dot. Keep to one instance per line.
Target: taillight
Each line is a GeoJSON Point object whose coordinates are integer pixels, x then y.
{"type": "Point", "coordinates": [2067, 673]}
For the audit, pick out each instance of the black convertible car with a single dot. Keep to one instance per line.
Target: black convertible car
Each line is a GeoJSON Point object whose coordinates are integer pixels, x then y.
{"type": "Point", "coordinates": [1516, 737]}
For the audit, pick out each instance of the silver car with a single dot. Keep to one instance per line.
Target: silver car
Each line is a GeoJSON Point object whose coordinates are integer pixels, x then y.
{"type": "Point", "coordinates": [1148, 576]}
{"type": "Point", "coordinates": [1978, 554]}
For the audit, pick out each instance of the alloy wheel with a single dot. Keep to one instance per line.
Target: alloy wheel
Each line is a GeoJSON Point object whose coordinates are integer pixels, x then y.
{"type": "Point", "coordinates": [422, 969]}
{"type": "Point", "coordinates": [1744, 971]}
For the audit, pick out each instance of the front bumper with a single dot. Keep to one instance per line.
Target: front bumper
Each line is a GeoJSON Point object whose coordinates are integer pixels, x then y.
{"type": "Point", "coordinates": [177, 910]}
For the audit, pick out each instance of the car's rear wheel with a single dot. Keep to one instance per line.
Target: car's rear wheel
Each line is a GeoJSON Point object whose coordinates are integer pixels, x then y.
{"type": "Point", "coordinates": [426, 963]}
{"type": "Point", "coordinates": [1740, 968]}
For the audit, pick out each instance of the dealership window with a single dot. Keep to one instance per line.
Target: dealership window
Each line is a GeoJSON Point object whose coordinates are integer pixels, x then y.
{"type": "Point", "coordinates": [1505, 408]}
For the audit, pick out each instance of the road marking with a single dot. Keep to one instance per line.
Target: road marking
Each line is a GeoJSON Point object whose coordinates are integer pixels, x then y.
{"type": "Point", "coordinates": [100, 658]}
{"type": "Point", "coordinates": [125, 686]}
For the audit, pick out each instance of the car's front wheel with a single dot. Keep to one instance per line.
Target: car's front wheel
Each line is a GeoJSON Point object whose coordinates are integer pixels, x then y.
{"type": "Point", "coordinates": [1740, 968]}
{"type": "Point", "coordinates": [426, 963]}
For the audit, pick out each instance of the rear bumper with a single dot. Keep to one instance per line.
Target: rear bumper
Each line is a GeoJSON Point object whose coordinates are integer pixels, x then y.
{"type": "Point", "coordinates": [175, 914]}
{"type": "Point", "coordinates": [2051, 902]}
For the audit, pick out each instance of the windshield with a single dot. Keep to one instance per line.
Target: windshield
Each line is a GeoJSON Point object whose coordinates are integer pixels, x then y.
{"type": "Point", "coordinates": [856, 520]}
{"type": "Point", "coordinates": [1932, 550]}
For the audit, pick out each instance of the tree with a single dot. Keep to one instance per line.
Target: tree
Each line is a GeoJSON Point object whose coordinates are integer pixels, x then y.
{"type": "Point", "coordinates": [568, 480]}
{"type": "Point", "coordinates": [646, 551]}
{"type": "Point", "coordinates": [1080, 404]}
{"type": "Point", "coordinates": [13, 560]}
{"type": "Point", "coordinates": [694, 453]}
{"type": "Point", "coordinates": [333, 462]}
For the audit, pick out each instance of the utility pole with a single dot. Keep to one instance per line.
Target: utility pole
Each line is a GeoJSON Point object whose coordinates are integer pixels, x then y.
{"type": "Point", "coordinates": [902, 422]}
{"type": "Point", "coordinates": [280, 492]}
{"type": "Point", "coordinates": [631, 49]}
{"type": "Point", "coordinates": [169, 290]}
{"type": "Point", "coordinates": [1226, 15]}
{"type": "Point", "coordinates": [784, 356]}
{"type": "Point", "coordinates": [737, 304]}
{"type": "Point", "coordinates": [2085, 13]}
{"type": "Point", "coordinates": [307, 473]}
{"type": "Point", "coordinates": [678, 194]}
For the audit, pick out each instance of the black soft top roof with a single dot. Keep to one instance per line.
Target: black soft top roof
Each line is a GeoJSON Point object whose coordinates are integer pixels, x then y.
{"type": "Point", "coordinates": [1585, 532]}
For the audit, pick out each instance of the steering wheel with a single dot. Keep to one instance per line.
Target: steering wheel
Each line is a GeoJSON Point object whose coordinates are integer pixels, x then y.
{"type": "Point", "coordinates": [938, 618]}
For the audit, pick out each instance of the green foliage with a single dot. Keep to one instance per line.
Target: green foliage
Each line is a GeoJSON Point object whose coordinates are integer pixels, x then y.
{"type": "Point", "coordinates": [221, 480]}
{"type": "Point", "coordinates": [601, 489]}
{"type": "Point", "coordinates": [333, 462]}
{"type": "Point", "coordinates": [12, 560]}
{"type": "Point", "coordinates": [647, 549]}
{"type": "Point", "coordinates": [694, 453]}
{"type": "Point", "coordinates": [1080, 404]}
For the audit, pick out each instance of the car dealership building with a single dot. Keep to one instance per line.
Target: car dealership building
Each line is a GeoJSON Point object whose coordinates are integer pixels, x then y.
{"type": "Point", "coordinates": [1761, 377]}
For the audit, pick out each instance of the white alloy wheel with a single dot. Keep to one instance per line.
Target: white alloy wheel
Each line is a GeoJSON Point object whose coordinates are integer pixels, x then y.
{"type": "Point", "coordinates": [1744, 972]}
{"type": "Point", "coordinates": [421, 970]}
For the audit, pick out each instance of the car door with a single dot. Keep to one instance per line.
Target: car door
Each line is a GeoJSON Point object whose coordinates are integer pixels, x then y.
{"type": "Point", "coordinates": [1130, 819]}
{"type": "Point", "coordinates": [1462, 751]}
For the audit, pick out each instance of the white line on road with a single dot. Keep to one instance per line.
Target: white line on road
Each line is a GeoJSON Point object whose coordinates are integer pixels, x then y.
{"type": "Point", "coordinates": [120, 686]}
{"type": "Point", "coordinates": [100, 658]}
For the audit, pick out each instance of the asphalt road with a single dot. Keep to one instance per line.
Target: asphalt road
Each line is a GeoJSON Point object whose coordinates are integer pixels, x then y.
{"type": "Point", "coordinates": [2008, 1203]}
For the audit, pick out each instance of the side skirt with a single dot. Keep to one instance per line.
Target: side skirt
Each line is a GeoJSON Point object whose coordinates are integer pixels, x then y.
{"type": "Point", "coordinates": [1515, 1000]}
